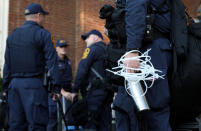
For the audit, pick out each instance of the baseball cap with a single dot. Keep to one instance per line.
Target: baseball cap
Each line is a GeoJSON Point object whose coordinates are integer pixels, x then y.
{"type": "Point", "coordinates": [95, 32]}
{"type": "Point", "coordinates": [34, 8]}
{"type": "Point", "coordinates": [61, 43]}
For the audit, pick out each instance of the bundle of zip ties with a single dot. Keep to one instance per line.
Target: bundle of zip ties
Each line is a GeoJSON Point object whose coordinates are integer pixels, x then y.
{"type": "Point", "coordinates": [145, 72]}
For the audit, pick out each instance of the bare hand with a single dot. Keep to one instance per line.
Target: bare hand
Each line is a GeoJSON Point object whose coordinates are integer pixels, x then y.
{"type": "Point", "coordinates": [56, 96]}
{"type": "Point", "coordinates": [132, 63]}
{"type": "Point", "coordinates": [4, 94]}
{"type": "Point", "coordinates": [67, 95]}
{"type": "Point", "coordinates": [73, 96]}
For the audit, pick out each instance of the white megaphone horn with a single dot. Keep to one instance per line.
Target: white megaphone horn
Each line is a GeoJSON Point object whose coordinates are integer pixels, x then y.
{"type": "Point", "coordinates": [136, 92]}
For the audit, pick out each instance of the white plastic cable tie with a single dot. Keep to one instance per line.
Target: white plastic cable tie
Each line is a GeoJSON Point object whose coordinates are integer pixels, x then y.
{"type": "Point", "coordinates": [146, 70]}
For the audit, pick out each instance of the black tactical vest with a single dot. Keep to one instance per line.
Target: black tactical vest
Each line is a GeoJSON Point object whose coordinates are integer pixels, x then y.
{"type": "Point", "coordinates": [25, 53]}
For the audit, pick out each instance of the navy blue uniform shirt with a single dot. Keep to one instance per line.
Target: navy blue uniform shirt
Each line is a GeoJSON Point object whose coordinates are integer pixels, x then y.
{"type": "Point", "coordinates": [136, 11]}
{"type": "Point", "coordinates": [66, 72]}
{"type": "Point", "coordinates": [43, 39]}
{"type": "Point", "coordinates": [92, 57]}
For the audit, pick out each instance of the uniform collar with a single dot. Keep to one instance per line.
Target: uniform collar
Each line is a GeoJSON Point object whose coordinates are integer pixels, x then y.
{"type": "Point", "coordinates": [100, 42]}
{"type": "Point", "coordinates": [65, 58]}
{"type": "Point", "coordinates": [97, 43]}
{"type": "Point", "coordinates": [31, 23]}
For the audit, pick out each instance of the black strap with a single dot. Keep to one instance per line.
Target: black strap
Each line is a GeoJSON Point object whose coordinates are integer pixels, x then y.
{"type": "Point", "coordinates": [102, 80]}
{"type": "Point", "coordinates": [97, 74]}
{"type": "Point", "coordinates": [161, 5]}
{"type": "Point", "coordinates": [157, 10]}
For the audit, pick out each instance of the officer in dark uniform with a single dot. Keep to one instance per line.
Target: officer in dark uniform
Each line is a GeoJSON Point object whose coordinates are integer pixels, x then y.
{"type": "Point", "coordinates": [157, 119]}
{"type": "Point", "coordinates": [65, 68]}
{"type": "Point", "coordinates": [64, 64]}
{"type": "Point", "coordinates": [29, 51]}
{"type": "Point", "coordinates": [93, 57]}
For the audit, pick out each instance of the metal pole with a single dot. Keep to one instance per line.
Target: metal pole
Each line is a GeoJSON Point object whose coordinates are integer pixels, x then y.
{"type": "Point", "coordinates": [64, 110]}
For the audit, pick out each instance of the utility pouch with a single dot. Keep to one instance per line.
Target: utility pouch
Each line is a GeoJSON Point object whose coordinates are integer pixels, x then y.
{"type": "Point", "coordinates": [47, 82]}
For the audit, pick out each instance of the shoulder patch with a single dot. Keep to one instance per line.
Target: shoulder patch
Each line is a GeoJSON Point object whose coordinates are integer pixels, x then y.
{"type": "Point", "coordinates": [86, 53]}
{"type": "Point", "coordinates": [53, 41]}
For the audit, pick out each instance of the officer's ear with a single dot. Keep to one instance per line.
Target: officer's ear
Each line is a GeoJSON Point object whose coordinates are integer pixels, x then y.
{"type": "Point", "coordinates": [96, 38]}
{"type": "Point", "coordinates": [41, 14]}
{"type": "Point", "coordinates": [57, 49]}
{"type": "Point", "coordinates": [38, 15]}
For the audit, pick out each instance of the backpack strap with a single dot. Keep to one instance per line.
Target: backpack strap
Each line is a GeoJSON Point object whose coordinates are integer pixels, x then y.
{"type": "Point", "coordinates": [157, 10]}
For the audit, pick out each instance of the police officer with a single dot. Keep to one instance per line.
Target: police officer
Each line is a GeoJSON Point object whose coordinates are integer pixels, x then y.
{"type": "Point", "coordinates": [93, 57]}
{"type": "Point", "coordinates": [65, 68]}
{"type": "Point", "coordinates": [29, 51]}
{"type": "Point", "coordinates": [157, 119]}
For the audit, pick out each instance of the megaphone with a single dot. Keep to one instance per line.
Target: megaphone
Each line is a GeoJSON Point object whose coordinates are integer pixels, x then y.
{"type": "Point", "coordinates": [136, 92]}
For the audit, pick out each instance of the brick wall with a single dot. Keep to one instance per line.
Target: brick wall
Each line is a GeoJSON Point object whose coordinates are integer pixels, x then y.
{"type": "Point", "coordinates": [68, 19]}
{"type": "Point", "coordinates": [88, 19]}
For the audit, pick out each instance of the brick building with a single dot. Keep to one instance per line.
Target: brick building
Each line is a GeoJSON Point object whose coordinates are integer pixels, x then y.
{"type": "Point", "coordinates": [68, 19]}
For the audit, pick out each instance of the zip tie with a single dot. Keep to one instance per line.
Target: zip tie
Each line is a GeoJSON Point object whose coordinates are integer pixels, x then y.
{"type": "Point", "coordinates": [146, 70]}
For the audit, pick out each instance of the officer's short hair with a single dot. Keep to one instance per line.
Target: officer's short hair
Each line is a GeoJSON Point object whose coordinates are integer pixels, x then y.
{"type": "Point", "coordinates": [31, 16]}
